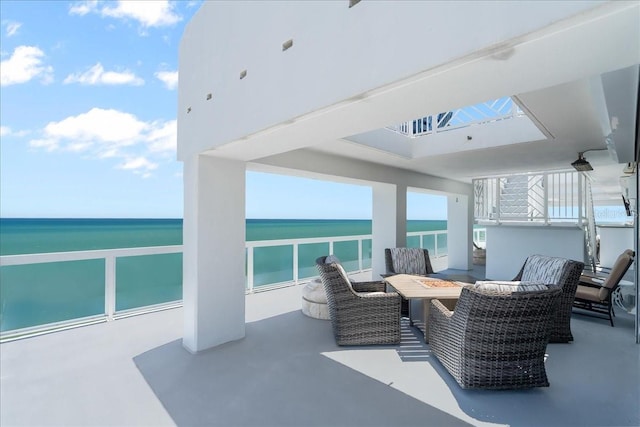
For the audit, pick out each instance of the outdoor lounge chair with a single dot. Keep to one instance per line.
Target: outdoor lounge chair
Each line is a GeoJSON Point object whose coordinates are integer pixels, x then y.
{"type": "Point", "coordinates": [558, 271]}
{"type": "Point", "coordinates": [495, 339]}
{"type": "Point", "coordinates": [596, 297]}
{"type": "Point", "coordinates": [361, 312]}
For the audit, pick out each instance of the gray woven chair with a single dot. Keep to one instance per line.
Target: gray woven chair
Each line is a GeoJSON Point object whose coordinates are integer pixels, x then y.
{"type": "Point", "coordinates": [558, 271]}
{"type": "Point", "coordinates": [361, 312]}
{"type": "Point", "coordinates": [494, 340]}
{"type": "Point", "coordinates": [407, 261]}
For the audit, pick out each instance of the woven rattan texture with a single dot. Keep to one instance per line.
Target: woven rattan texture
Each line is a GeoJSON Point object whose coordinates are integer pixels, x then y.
{"type": "Point", "coordinates": [568, 278]}
{"type": "Point", "coordinates": [388, 260]}
{"type": "Point", "coordinates": [360, 319]}
{"type": "Point", "coordinates": [493, 340]}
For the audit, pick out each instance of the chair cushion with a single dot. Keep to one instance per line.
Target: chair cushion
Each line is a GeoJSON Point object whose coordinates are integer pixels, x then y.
{"type": "Point", "coordinates": [344, 275]}
{"type": "Point", "coordinates": [590, 293]}
{"type": "Point", "coordinates": [332, 259]}
{"type": "Point", "coordinates": [366, 294]}
{"type": "Point", "coordinates": [619, 268]}
{"type": "Point", "coordinates": [543, 269]}
{"type": "Point", "coordinates": [509, 286]}
{"type": "Point", "coordinates": [408, 260]}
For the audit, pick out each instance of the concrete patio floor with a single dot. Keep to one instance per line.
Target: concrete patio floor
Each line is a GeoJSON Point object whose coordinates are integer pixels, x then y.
{"type": "Point", "coordinates": [288, 371]}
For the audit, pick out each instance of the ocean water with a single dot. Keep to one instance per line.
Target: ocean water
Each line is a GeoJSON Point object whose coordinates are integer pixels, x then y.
{"type": "Point", "coordinates": [38, 294]}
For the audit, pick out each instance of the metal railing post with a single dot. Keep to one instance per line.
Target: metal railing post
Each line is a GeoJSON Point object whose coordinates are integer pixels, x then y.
{"type": "Point", "coordinates": [359, 254]}
{"type": "Point", "coordinates": [581, 192]}
{"type": "Point", "coordinates": [250, 268]}
{"type": "Point", "coordinates": [435, 245]}
{"type": "Point", "coordinates": [498, 196]}
{"type": "Point", "coordinates": [295, 263]}
{"type": "Point", "coordinates": [545, 196]}
{"type": "Point", "coordinates": [110, 286]}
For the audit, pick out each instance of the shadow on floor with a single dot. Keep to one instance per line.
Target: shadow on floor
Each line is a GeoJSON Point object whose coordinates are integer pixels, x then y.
{"type": "Point", "coordinates": [277, 376]}
{"type": "Point", "coordinates": [288, 371]}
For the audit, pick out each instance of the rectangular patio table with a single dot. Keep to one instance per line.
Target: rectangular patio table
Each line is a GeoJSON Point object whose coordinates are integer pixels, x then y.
{"type": "Point", "coordinates": [421, 290]}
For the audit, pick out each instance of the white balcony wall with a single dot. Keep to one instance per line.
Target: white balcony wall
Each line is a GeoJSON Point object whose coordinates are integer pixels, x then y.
{"type": "Point", "coordinates": [614, 239]}
{"type": "Point", "coordinates": [509, 246]}
{"type": "Point", "coordinates": [340, 56]}
{"type": "Point", "coordinates": [460, 232]}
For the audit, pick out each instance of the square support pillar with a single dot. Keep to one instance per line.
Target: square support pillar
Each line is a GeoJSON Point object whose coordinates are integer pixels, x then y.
{"type": "Point", "coordinates": [214, 252]}
{"type": "Point", "coordinates": [460, 232]}
{"type": "Point", "coordinates": [389, 225]}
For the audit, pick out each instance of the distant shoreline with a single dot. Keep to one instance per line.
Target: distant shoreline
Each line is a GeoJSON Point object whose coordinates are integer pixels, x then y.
{"type": "Point", "coordinates": [43, 235]}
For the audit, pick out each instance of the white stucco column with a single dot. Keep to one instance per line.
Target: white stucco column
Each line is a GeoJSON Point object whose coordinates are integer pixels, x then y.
{"type": "Point", "coordinates": [214, 252]}
{"type": "Point", "coordinates": [460, 232]}
{"type": "Point", "coordinates": [389, 224]}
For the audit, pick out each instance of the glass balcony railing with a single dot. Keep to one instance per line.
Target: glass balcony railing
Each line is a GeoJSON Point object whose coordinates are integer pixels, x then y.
{"type": "Point", "coordinates": [47, 291]}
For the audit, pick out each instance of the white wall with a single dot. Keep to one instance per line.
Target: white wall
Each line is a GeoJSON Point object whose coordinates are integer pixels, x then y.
{"type": "Point", "coordinates": [315, 164]}
{"type": "Point", "coordinates": [339, 54]}
{"type": "Point", "coordinates": [509, 246]}
{"type": "Point", "coordinates": [389, 226]}
{"type": "Point", "coordinates": [613, 241]}
{"type": "Point", "coordinates": [460, 232]}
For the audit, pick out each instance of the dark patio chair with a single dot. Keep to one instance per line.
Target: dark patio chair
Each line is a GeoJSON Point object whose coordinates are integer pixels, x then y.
{"type": "Point", "coordinates": [495, 339]}
{"type": "Point", "coordinates": [596, 297]}
{"type": "Point", "coordinates": [361, 312]}
{"type": "Point", "coordinates": [407, 261]}
{"type": "Point", "coordinates": [558, 271]}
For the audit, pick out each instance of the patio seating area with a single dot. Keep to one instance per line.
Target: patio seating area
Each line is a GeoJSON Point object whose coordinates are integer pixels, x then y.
{"type": "Point", "coordinates": [288, 370]}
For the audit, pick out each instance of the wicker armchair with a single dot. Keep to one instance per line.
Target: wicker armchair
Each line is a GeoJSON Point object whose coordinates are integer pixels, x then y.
{"type": "Point", "coordinates": [494, 340]}
{"type": "Point", "coordinates": [361, 312]}
{"type": "Point", "coordinates": [407, 261]}
{"type": "Point", "coordinates": [558, 271]}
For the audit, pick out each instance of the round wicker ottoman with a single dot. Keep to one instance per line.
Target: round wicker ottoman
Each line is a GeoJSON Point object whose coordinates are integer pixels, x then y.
{"type": "Point", "coordinates": [314, 300]}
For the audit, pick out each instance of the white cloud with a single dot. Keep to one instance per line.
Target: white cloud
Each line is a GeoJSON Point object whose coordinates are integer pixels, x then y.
{"type": "Point", "coordinates": [96, 75]}
{"type": "Point", "coordinates": [112, 134]}
{"type": "Point", "coordinates": [12, 28]}
{"type": "Point", "coordinates": [98, 125]}
{"type": "Point", "coordinates": [46, 144]}
{"type": "Point", "coordinates": [163, 139]}
{"type": "Point", "coordinates": [7, 131]}
{"type": "Point", "coordinates": [24, 65]}
{"type": "Point", "coordinates": [83, 7]}
{"type": "Point", "coordinates": [150, 13]}
{"type": "Point", "coordinates": [169, 78]}
{"type": "Point", "coordinates": [138, 163]}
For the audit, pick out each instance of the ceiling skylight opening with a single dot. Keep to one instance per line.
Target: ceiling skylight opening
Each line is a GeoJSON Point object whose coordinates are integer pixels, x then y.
{"type": "Point", "coordinates": [486, 112]}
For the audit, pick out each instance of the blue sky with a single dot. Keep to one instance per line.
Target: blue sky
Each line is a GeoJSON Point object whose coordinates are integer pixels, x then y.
{"type": "Point", "coordinates": [88, 119]}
